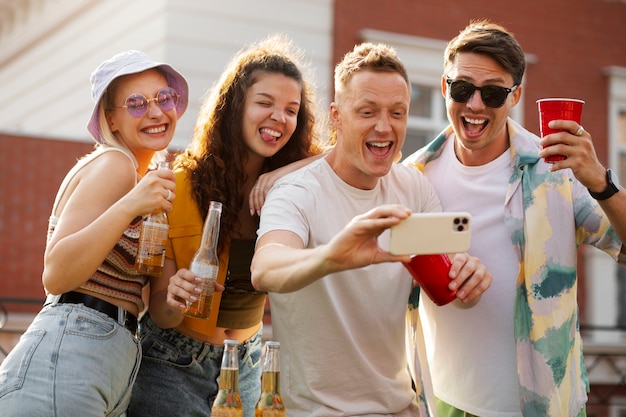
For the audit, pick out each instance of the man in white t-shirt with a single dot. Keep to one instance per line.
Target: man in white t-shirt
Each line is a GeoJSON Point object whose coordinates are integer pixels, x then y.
{"type": "Point", "coordinates": [339, 300]}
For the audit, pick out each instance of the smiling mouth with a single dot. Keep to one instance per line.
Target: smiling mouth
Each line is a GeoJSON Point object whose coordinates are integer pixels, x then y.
{"type": "Point", "coordinates": [379, 148]}
{"type": "Point", "coordinates": [155, 130]}
{"type": "Point", "coordinates": [474, 126]}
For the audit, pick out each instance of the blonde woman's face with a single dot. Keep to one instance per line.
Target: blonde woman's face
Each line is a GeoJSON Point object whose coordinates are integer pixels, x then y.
{"type": "Point", "coordinates": [150, 132]}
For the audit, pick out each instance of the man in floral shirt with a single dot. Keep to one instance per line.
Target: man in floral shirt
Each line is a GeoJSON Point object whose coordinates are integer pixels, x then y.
{"type": "Point", "coordinates": [518, 352]}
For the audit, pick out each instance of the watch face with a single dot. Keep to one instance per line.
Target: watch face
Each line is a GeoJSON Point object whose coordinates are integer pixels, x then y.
{"type": "Point", "coordinates": [614, 178]}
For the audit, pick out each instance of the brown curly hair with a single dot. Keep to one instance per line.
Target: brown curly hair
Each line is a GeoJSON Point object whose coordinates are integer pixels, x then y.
{"type": "Point", "coordinates": [216, 158]}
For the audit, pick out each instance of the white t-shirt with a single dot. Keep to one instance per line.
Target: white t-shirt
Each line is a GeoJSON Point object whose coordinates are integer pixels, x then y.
{"type": "Point", "coordinates": [473, 357]}
{"type": "Point", "coordinates": [343, 337]}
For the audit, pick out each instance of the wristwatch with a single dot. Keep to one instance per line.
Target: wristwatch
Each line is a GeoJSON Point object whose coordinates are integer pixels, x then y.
{"type": "Point", "coordinates": [612, 186]}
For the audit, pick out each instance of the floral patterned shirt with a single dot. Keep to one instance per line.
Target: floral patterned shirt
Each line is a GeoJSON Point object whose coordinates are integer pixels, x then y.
{"type": "Point", "coordinates": [548, 215]}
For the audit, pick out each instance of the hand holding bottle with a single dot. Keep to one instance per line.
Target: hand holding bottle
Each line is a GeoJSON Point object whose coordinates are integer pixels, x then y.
{"type": "Point", "coordinates": [154, 229]}
{"type": "Point", "coordinates": [205, 264]}
{"type": "Point", "coordinates": [155, 191]}
{"type": "Point", "coordinates": [184, 288]}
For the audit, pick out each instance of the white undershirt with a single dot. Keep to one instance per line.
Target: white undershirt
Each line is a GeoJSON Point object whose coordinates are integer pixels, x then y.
{"type": "Point", "coordinates": [473, 355]}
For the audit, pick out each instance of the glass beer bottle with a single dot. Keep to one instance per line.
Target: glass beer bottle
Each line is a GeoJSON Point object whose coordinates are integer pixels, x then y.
{"type": "Point", "coordinates": [228, 403]}
{"type": "Point", "coordinates": [205, 263]}
{"type": "Point", "coordinates": [270, 402]}
{"type": "Point", "coordinates": [152, 239]}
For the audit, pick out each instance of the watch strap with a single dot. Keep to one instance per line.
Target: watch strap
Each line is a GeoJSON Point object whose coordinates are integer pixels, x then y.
{"type": "Point", "coordinates": [610, 189]}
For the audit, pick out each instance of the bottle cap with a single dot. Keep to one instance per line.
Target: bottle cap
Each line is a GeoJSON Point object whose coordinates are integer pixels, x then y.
{"type": "Point", "coordinates": [229, 342]}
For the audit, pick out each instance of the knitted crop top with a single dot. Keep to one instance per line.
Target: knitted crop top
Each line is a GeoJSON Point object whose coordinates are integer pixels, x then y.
{"type": "Point", "coordinates": [116, 276]}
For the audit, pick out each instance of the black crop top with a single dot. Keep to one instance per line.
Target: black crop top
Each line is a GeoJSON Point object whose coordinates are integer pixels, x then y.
{"type": "Point", "coordinates": [241, 306]}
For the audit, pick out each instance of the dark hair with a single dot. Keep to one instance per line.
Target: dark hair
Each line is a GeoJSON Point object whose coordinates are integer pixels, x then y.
{"type": "Point", "coordinates": [490, 39]}
{"type": "Point", "coordinates": [217, 155]}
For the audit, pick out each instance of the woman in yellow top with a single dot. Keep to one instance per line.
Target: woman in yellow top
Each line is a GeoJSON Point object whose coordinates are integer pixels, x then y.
{"type": "Point", "coordinates": [258, 117]}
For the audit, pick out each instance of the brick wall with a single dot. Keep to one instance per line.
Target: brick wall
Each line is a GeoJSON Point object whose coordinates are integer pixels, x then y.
{"type": "Point", "coordinates": [32, 170]}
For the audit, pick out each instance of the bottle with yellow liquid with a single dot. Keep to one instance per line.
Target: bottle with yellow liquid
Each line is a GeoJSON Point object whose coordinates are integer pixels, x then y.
{"type": "Point", "coordinates": [152, 239]}
{"type": "Point", "coordinates": [205, 263]}
{"type": "Point", "coordinates": [228, 403]}
{"type": "Point", "coordinates": [270, 402]}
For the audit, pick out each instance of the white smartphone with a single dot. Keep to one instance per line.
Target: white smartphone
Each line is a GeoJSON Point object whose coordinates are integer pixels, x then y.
{"type": "Point", "coordinates": [428, 233]}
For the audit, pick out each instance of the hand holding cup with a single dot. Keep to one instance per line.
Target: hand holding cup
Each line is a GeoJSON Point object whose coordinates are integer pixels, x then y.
{"type": "Point", "coordinates": [558, 109]}
{"type": "Point", "coordinates": [430, 272]}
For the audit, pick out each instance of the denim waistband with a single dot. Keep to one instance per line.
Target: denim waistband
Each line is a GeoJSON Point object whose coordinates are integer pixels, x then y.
{"type": "Point", "coordinates": [197, 348]}
{"type": "Point", "coordinates": [123, 317]}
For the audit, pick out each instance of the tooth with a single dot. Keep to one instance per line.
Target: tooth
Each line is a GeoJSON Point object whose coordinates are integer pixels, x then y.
{"type": "Point", "coordinates": [474, 121]}
{"type": "Point", "coordinates": [156, 129]}
{"type": "Point", "coordinates": [270, 132]}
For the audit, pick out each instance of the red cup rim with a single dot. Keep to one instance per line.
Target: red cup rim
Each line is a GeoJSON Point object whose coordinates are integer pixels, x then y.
{"type": "Point", "coordinates": [561, 99]}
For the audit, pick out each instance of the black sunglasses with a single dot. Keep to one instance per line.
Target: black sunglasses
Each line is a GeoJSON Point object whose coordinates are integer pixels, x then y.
{"type": "Point", "coordinates": [492, 95]}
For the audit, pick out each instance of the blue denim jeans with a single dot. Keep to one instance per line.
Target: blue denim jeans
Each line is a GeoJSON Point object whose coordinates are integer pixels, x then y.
{"type": "Point", "coordinates": [179, 374]}
{"type": "Point", "coordinates": [71, 361]}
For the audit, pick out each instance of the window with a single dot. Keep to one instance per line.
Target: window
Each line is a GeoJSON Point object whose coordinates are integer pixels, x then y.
{"type": "Point", "coordinates": [427, 117]}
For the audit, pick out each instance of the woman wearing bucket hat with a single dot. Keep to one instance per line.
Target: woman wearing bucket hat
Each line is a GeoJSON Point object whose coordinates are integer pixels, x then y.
{"type": "Point", "coordinates": [80, 355]}
{"type": "Point", "coordinates": [258, 117]}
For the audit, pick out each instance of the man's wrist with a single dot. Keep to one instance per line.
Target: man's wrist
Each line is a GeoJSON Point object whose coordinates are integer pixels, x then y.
{"type": "Point", "coordinates": [612, 187]}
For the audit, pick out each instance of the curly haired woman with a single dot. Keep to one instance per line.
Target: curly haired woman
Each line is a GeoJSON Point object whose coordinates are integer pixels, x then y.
{"type": "Point", "coordinates": [258, 117]}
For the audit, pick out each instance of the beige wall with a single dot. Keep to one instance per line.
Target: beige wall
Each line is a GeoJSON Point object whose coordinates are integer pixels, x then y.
{"type": "Point", "coordinates": [51, 47]}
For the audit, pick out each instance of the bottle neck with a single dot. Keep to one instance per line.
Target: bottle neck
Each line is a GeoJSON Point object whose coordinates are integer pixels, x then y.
{"type": "Point", "coordinates": [229, 373]}
{"type": "Point", "coordinates": [161, 165]}
{"type": "Point", "coordinates": [270, 380]}
{"type": "Point", "coordinates": [211, 230]}
{"type": "Point", "coordinates": [271, 362]}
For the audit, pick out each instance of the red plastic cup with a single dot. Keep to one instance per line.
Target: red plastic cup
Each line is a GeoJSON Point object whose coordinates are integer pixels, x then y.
{"type": "Point", "coordinates": [557, 109]}
{"type": "Point", "coordinates": [431, 273]}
